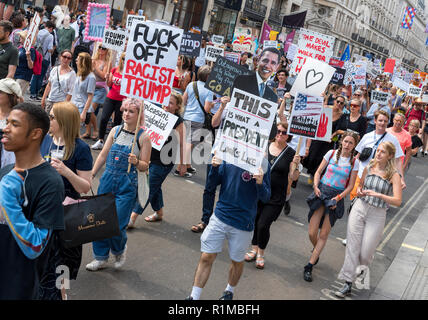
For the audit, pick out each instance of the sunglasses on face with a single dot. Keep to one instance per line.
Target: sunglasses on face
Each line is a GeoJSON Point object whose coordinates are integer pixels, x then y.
{"type": "Point", "coordinates": [355, 105]}
{"type": "Point", "coordinates": [281, 132]}
{"type": "Point", "coordinates": [340, 102]}
{"type": "Point", "coordinates": [102, 48]}
{"type": "Point", "coordinates": [67, 57]}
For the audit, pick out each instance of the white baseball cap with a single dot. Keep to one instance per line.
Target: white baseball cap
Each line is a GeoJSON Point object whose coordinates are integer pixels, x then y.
{"type": "Point", "coordinates": [10, 86]}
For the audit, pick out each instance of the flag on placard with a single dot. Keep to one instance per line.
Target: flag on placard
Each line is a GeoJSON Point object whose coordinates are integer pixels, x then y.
{"type": "Point", "coordinates": [346, 54]}
{"type": "Point", "coordinates": [409, 15]}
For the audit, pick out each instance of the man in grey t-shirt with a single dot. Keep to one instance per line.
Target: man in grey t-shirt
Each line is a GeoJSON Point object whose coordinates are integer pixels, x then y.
{"type": "Point", "coordinates": [8, 53]}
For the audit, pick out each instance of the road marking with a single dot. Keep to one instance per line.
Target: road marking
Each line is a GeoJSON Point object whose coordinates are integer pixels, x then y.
{"type": "Point", "coordinates": [406, 229]}
{"type": "Point", "coordinates": [380, 253]}
{"type": "Point", "coordinates": [408, 246]}
{"type": "Point", "coordinates": [298, 223]}
{"type": "Point", "coordinates": [190, 181]}
{"type": "Point", "coordinates": [340, 239]}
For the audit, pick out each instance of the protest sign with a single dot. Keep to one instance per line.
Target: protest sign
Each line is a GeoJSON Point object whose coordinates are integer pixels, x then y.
{"type": "Point", "coordinates": [150, 61]}
{"type": "Point", "coordinates": [97, 21]}
{"type": "Point", "coordinates": [414, 91]}
{"type": "Point", "coordinates": [217, 40]}
{"type": "Point", "coordinates": [191, 44]}
{"type": "Point", "coordinates": [325, 126]}
{"type": "Point", "coordinates": [380, 97]}
{"type": "Point", "coordinates": [313, 78]}
{"type": "Point", "coordinates": [360, 73]}
{"type": "Point", "coordinates": [242, 40]}
{"type": "Point", "coordinates": [400, 84]}
{"type": "Point", "coordinates": [270, 44]}
{"type": "Point", "coordinates": [244, 137]}
{"type": "Point", "coordinates": [389, 66]}
{"type": "Point", "coordinates": [158, 124]}
{"type": "Point", "coordinates": [130, 18]}
{"type": "Point", "coordinates": [32, 32]}
{"type": "Point", "coordinates": [338, 76]}
{"type": "Point", "coordinates": [408, 77]}
{"type": "Point", "coordinates": [291, 53]}
{"type": "Point", "coordinates": [425, 98]}
{"type": "Point", "coordinates": [305, 116]}
{"type": "Point", "coordinates": [232, 56]}
{"type": "Point", "coordinates": [224, 72]}
{"type": "Point", "coordinates": [351, 69]}
{"type": "Point", "coordinates": [312, 45]}
{"type": "Point", "coordinates": [212, 53]}
{"type": "Point", "coordinates": [336, 62]}
{"type": "Point", "coordinates": [114, 39]}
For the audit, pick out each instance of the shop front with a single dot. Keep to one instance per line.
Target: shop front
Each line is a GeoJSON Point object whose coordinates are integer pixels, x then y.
{"type": "Point", "coordinates": [223, 20]}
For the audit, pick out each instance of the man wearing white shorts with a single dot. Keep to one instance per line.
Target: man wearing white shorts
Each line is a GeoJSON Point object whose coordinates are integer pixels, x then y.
{"type": "Point", "coordinates": [233, 219]}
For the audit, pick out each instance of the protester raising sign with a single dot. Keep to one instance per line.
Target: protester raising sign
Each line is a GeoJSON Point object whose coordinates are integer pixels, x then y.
{"type": "Point", "coordinates": [414, 91]}
{"type": "Point", "coordinates": [213, 52]}
{"type": "Point", "coordinates": [158, 124]}
{"type": "Point", "coordinates": [191, 44]}
{"type": "Point", "coordinates": [217, 40]}
{"type": "Point", "coordinates": [32, 32]}
{"type": "Point", "coordinates": [97, 21]}
{"type": "Point", "coordinates": [223, 74]}
{"type": "Point", "coordinates": [380, 97]}
{"type": "Point", "coordinates": [114, 39]}
{"type": "Point", "coordinates": [150, 61]}
{"type": "Point", "coordinates": [244, 137]}
{"type": "Point", "coordinates": [305, 116]}
{"type": "Point", "coordinates": [312, 45]}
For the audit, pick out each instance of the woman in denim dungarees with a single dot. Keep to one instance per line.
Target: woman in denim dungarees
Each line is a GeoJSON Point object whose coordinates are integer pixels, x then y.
{"type": "Point", "coordinates": [115, 179]}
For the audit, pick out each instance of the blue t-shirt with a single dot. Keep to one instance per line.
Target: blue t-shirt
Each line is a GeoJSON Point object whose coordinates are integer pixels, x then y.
{"type": "Point", "coordinates": [22, 70]}
{"type": "Point", "coordinates": [81, 160]}
{"type": "Point", "coordinates": [193, 110]}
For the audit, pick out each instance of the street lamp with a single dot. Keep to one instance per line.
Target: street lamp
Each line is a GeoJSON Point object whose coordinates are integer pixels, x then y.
{"type": "Point", "coordinates": [175, 2]}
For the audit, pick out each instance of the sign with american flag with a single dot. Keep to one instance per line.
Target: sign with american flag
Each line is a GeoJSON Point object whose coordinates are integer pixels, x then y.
{"type": "Point", "coordinates": [305, 116]}
{"type": "Point", "coordinates": [409, 15]}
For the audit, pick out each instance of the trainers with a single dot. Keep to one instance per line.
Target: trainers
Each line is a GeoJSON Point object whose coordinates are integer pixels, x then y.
{"type": "Point", "coordinates": [186, 174]}
{"type": "Point", "coordinates": [188, 298]}
{"type": "Point", "coordinates": [287, 208]}
{"type": "Point", "coordinates": [96, 265]}
{"type": "Point", "coordinates": [345, 291]}
{"type": "Point", "coordinates": [97, 145]}
{"type": "Point", "coordinates": [191, 170]}
{"type": "Point", "coordinates": [227, 295]}
{"type": "Point", "coordinates": [307, 274]}
{"type": "Point", "coordinates": [120, 260]}
{"type": "Point", "coordinates": [344, 242]}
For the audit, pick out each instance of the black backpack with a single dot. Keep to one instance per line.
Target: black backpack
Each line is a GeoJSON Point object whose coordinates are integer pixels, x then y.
{"type": "Point", "coordinates": [81, 47]}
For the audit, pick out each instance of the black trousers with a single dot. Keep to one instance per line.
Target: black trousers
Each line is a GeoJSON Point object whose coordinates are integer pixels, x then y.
{"type": "Point", "coordinates": [109, 107]}
{"type": "Point", "coordinates": [266, 214]}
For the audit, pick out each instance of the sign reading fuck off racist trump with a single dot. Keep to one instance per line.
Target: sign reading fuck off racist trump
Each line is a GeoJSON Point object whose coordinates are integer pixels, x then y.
{"type": "Point", "coordinates": [150, 61]}
{"type": "Point", "coordinates": [244, 137]}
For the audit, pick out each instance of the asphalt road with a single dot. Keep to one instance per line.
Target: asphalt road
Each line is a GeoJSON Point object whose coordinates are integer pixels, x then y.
{"type": "Point", "coordinates": [162, 256]}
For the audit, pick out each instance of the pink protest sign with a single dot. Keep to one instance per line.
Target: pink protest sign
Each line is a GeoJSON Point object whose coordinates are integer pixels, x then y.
{"type": "Point", "coordinates": [98, 20]}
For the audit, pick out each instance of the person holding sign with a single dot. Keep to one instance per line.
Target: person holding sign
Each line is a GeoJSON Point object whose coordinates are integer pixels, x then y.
{"type": "Point", "coordinates": [326, 203]}
{"type": "Point", "coordinates": [182, 75]}
{"type": "Point", "coordinates": [24, 71]}
{"type": "Point", "coordinates": [126, 144]}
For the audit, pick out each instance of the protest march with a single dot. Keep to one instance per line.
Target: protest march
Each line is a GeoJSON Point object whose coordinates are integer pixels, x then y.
{"type": "Point", "coordinates": [102, 117]}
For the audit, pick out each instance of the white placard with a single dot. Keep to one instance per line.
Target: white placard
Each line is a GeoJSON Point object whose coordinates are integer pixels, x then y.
{"type": "Point", "coordinates": [114, 39]}
{"type": "Point", "coordinates": [292, 50]}
{"type": "Point", "coordinates": [313, 78]}
{"type": "Point", "coordinates": [218, 40]}
{"type": "Point", "coordinates": [131, 18]}
{"type": "Point", "coordinates": [425, 98]}
{"type": "Point", "coordinates": [211, 53]}
{"type": "Point", "coordinates": [158, 124]}
{"type": "Point", "coordinates": [150, 61]}
{"type": "Point", "coordinates": [360, 74]}
{"type": "Point", "coordinates": [401, 84]}
{"type": "Point", "coordinates": [351, 69]}
{"type": "Point", "coordinates": [380, 97]}
{"type": "Point", "coordinates": [270, 44]}
{"type": "Point", "coordinates": [244, 137]}
{"type": "Point", "coordinates": [414, 91]}
{"type": "Point", "coordinates": [32, 32]}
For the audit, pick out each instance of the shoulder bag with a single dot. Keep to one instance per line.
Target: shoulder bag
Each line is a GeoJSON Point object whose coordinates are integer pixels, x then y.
{"type": "Point", "coordinates": [367, 152]}
{"type": "Point", "coordinates": [208, 115]}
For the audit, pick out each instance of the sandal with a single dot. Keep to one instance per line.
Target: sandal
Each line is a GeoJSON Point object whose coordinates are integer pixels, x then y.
{"type": "Point", "coordinates": [85, 136]}
{"type": "Point", "coordinates": [132, 220]}
{"type": "Point", "coordinates": [260, 262]}
{"type": "Point", "coordinates": [198, 228]}
{"type": "Point", "coordinates": [250, 255]}
{"type": "Point", "coordinates": [153, 218]}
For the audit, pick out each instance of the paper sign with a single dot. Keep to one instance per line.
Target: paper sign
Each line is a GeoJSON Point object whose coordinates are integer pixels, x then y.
{"type": "Point", "coordinates": [191, 44]}
{"type": "Point", "coordinates": [305, 116]}
{"type": "Point", "coordinates": [325, 126]}
{"type": "Point", "coordinates": [401, 84]}
{"type": "Point", "coordinates": [389, 66]}
{"type": "Point", "coordinates": [223, 74]}
{"type": "Point", "coordinates": [292, 50]}
{"type": "Point", "coordinates": [414, 91]}
{"type": "Point", "coordinates": [212, 53]}
{"type": "Point", "coordinates": [351, 69]}
{"type": "Point", "coordinates": [32, 32]}
{"type": "Point", "coordinates": [312, 45]}
{"type": "Point", "coordinates": [131, 18]}
{"type": "Point", "coordinates": [270, 44]}
{"type": "Point", "coordinates": [336, 63]}
{"type": "Point", "coordinates": [232, 56]}
{"type": "Point", "coordinates": [158, 124]}
{"type": "Point", "coordinates": [150, 61]}
{"type": "Point", "coordinates": [218, 40]}
{"type": "Point", "coordinates": [242, 40]}
{"type": "Point", "coordinates": [380, 97]}
{"type": "Point", "coordinates": [244, 137]}
{"type": "Point", "coordinates": [114, 39]}
{"type": "Point", "coordinates": [313, 78]}
{"type": "Point", "coordinates": [338, 76]}
{"type": "Point", "coordinates": [359, 76]}
{"type": "Point", "coordinates": [97, 21]}
{"type": "Point", "coordinates": [425, 98]}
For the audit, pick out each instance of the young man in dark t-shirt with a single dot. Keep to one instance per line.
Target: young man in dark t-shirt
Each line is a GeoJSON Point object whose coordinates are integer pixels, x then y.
{"type": "Point", "coordinates": [8, 53]}
{"type": "Point", "coordinates": [31, 195]}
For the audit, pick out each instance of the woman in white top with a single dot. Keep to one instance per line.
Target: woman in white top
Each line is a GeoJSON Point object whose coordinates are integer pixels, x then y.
{"type": "Point", "coordinates": [61, 82]}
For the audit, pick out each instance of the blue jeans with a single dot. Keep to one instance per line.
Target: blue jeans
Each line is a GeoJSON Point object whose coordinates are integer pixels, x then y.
{"type": "Point", "coordinates": [37, 80]}
{"type": "Point", "coordinates": [157, 175]}
{"type": "Point", "coordinates": [208, 200]}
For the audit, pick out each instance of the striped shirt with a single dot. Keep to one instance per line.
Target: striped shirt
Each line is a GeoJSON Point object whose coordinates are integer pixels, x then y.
{"type": "Point", "coordinates": [377, 184]}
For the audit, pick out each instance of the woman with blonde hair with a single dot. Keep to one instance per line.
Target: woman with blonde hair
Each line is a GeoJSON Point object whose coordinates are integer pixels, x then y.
{"type": "Point", "coordinates": [72, 159]}
{"type": "Point", "coordinates": [84, 89]}
{"type": "Point", "coordinates": [118, 152]}
{"type": "Point", "coordinates": [367, 218]}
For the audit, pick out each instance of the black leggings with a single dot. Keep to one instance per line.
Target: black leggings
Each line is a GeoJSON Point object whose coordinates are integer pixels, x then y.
{"type": "Point", "coordinates": [266, 214]}
{"type": "Point", "coordinates": [109, 107]}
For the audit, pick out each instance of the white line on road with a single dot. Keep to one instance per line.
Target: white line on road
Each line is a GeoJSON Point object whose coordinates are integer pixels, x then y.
{"type": "Point", "coordinates": [298, 223]}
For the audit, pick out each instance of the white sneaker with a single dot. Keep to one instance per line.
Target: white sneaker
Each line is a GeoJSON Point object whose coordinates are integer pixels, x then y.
{"type": "Point", "coordinates": [96, 265]}
{"type": "Point", "coordinates": [97, 145]}
{"type": "Point", "coordinates": [344, 242]}
{"type": "Point", "coordinates": [120, 260]}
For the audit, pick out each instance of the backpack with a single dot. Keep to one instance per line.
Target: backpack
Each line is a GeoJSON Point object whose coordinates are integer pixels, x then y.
{"type": "Point", "coordinates": [81, 47]}
{"type": "Point", "coordinates": [37, 64]}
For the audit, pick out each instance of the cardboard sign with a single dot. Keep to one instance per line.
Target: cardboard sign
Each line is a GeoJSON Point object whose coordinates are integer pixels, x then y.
{"type": "Point", "coordinates": [223, 74]}
{"type": "Point", "coordinates": [292, 50]}
{"type": "Point", "coordinates": [130, 18]}
{"type": "Point", "coordinates": [414, 91]}
{"type": "Point", "coordinates": [150, 61]}
{"type": "Point", "coordinates": [312, 45]}
{"type": "Point", "coordinates": [232, 56]}
{"type": "Point", "coordinates": [158, 124]}
{"type": "Point", "coordinates": [401, 84]}
{"type": "Point", "coordinates": [313, 78]}
{"type": "Point", "coordinates": [212, 53]}
{"type": "Point", "coordinates": [359, 76]}
{"type": "Point", "coordinates": [336, 63]}
{"type": "Point", "coordinates": [389, 66]}
{"type": "Point", "coordinates": [218, 40]}
{"type": "Point", "coordinates": [32, 32]}
{"type": "Point", "coordinates": [380, 97]}
{"type": "Point", "coordinates": [97, 21]}
{"type": "Point", "coordinates": [244, 137]}
{"type": "Point", "coordinates": [114, 39]}
{"type": "Point", "coordinates": [325, 126]}
{"type": "Point", "coordinates": [351, 69]}
{"type": "Point", "coordinates": [338, 76]}
{"type": "Point", "coordinates": [242, 41]}
{"type": "Point", "coordinates": [305, 116]}
{"type": "Point", "coordinates": [270, 44]}
{"type": "Point", "coordinates": [191, 44]}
